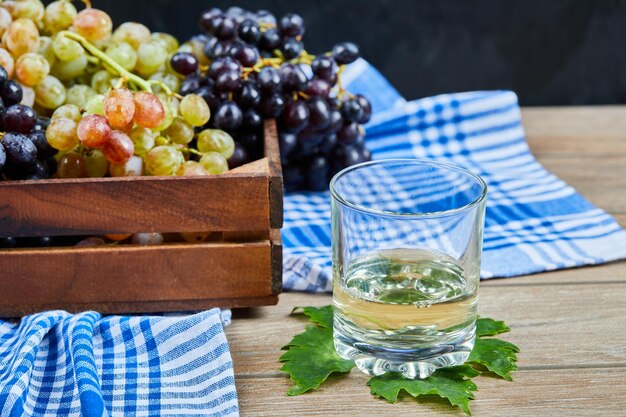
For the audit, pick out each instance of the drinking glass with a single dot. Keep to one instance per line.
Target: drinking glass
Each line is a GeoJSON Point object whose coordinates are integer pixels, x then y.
{"type": "Point", "coordinates": [406, 244]}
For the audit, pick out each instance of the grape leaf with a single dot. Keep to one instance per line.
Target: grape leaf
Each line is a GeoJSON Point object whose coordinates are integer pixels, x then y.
{"type": "Point", "coordinates": [322, 316]}
{"type": "Point", "coordinates": [311, 355]}
{"type": "Point", "coordinates": [496, 355]}
{"type": "Point", "coordinates": [450, 383]}
{"type": "Point", "coordinates": [490, 327]}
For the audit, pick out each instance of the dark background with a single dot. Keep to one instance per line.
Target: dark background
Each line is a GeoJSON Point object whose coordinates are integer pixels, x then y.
{"type": "Point", "coordinates": [551, 52]}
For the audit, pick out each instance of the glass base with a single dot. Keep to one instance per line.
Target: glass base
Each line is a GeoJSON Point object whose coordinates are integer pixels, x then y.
{"type": "Point", "coordinates": [415, 363]}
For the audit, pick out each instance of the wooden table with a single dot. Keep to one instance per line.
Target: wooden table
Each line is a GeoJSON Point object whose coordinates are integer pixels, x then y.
{"type": "Point", "coordinates": [570, 325]}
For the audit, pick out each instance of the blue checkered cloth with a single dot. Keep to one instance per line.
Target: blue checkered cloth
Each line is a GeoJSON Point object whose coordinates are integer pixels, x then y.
{"type": "Point", "coordinates": [58, 364]}
{"type": "Point", "coordinates": [535, 222]}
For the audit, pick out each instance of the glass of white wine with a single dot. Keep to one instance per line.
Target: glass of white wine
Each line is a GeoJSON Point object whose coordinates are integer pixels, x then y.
{"type": "Point", "coordinates": [407, 239]}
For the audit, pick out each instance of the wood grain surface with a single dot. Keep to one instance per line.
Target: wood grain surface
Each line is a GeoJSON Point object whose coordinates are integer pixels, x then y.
{"type": "Point", "coordinates": [569, 324]}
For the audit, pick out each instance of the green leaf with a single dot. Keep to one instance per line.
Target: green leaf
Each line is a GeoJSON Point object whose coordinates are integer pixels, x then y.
{"type": "Point", "coordinates": [322, 316]}
{"type": "Point", "coordinates": [311, 358]}
{"type": "Point", "coordinates": [496, 355]}
{"type": "Point", "coordinates": [450, 384]}
{"type": "Point", "coordinates": [490, 327]}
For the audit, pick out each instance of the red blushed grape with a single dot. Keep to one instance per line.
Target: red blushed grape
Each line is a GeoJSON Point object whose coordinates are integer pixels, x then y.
{"type": "Point", "coordinates": [119, 148]}
{"type": "Point", "coordinates": [149, 111]}
{"type": "Point", "coordinates": [119, 107]}
{"type": "Point", "coordinates": [93, 24]}
{"type": "Point", "coordinates": [93, 130]}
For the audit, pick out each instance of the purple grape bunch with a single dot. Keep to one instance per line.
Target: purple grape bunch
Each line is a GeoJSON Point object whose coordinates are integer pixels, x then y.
{"type": "Point", "coordinates": [24, 150]}
{"type": "Point", "coordinates": [259, 70]}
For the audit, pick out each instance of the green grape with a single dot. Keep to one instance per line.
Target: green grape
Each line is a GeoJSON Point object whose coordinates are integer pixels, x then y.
{"type": "Point", "coordinates": [168, 41]}
{"type": "Point", "coordinates": [216, 140]}
{"type": "Point", "coordinates": [102, 81]}
{"type": "Point", "coordinates": [68, 70]}
{"type": "Point", "coordinates": [95, 105]}
{"type": "Point", "coordinates": [79, 95]}
{"type": "Point", "coordinates": [68, 111]}
{"type": "Point", "coordinates": [167, 78]}
{"type": "Point", "coordinates": [131, 168]}
{"type": "Point", "coordinates": [191, 169]}
{"type": "Point", "coordinates": [46, 50]}
{"type": "Point", "coordinates": [143, 138]}
{"type": "Point", "coordinates": [132, 33]}
{"type": "Point", "coordinates": [197, 48]}
{"type": "Point", "coordinates": [123, 54]}
{"type": "Point", "coordinates": [150, 57]}
{"type": "Point", "coordinates": [20, 37]}
{"type": "Point", "coordinates": [96, 164]}
{"type": "Point", "coordinates": [28, 96]}
{"type": "Point", "coordinates": [50, 93]}
{"type": "Point", "coordinates": [162, 141]}
{"type": "Point", "coordinates": [93, 24]}
{"type": "Point", "coordinates": [195, 110]}
{"type": "Point", "coordinates": [31, 69]}
{"type": "Point", "coordinates": [58, 16]}
{"type": "Point", "coordinates": [5, 20]}
{"type": "Point", "coordinates": [26, 9]}
{"type": "Point", "coordinates": [61, 134]}
{"type": "Point", "coordinates": [170, 111]}
{"type": "Point", "coordinates": [214, 163]}
{"type": "Point", "coordinates": [7, 61]}
{"type": "Point", "coordinates": [163, 160]}
{"type": "Point", "coordinates": [180, 131]}
{"type": "Point", "coordinates": [66, 49]}
{"type": "Point", "coordinates": [71, 165]}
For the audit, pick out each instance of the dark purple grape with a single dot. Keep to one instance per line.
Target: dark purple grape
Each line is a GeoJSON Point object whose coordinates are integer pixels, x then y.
{"type": "Point", "coordinates": [7, 242]}
{"type": "Point", "coordinates": [20, 151]}
{"type": "Point", "coordinates": [227, 81]}
{"type": "Point", "coordinates": [287, 142]}
{"type": "Point", "coordinates": [318, 87]}
{"type": "Point", "coordinates": [239, 157]}
{"type": "Point", "coordinates": [268, 79]}
{"type": "Point", "coordinates": [236, 12]}
{"type": "Point", "coordinates": [225, 29]}
{"type": "Point", "coordinates": [223, 64]}
{"type": "Point", "coordinates": [247, 55]}
{"type": "Point", "coordinates": [266, 17]}
{"type": "Point", "coordinates": [293, 177]}
{"type": "Point", "coordinates": [11, 93]}
{"type": "Point", "coordinates": [295, 116]}
{"type": "Point", "coordinates": [328, 143]}
{"type": "Point", "coordinates": [51, 163]}
{"type": "Point", "coordinates": [319, 113]}
{"type": "Point", "coordinates": [228, 117]}
{"type": "Point", "coordinates": [252, 142]}
{"type": "Point", "coordinates": [38, 171]}
{"type": "Point", "coordinates": [317, 171]}
{"type": "Point", "coordinates": [336, 121]}
{"type": "Point", "coordinates": [189, 85]}
{"type": "Point", "coordinates": [250, 32]}
{"type": "Point", "coordinates": [207, 21]}
{"type": "Point", "coordinates": [292, 77]}
{"type": "Point", "coordinates": [271, 106]}
{"type": "Point", "coordinates": [292, 48]}
{"type": "Point", "coordinates": [291, 25]}
{"type": "Point", "coordinates": [346, 53]}
{"type": "Point", "coordinates": [366, 155]}
{"type": "Point", "coordinates": [202, 38]}
{"type": "Point", "coordinates": [351, 110]}
{"type": "Point", "coordinates": [325, 67]}
{"type": "Point", "coordinates": [349, 133]}
{"type": "Point", "coordinates": [4, 76]}
{"type": "Point", "coordinates": [216, 48]}
{"type": "Point", "coordinates": [346, 156]}
{"type": "Point", "coordinates": [19, 118]}
{"type": "Point", "coordinates": [3, 157]}
{"type": "Point", "coordinates": [310, 137]}
{"type": "Point", "coordinates": [248, 95]}
{"type": "Point", "coordinates": [367, 109]}
{"type": "Point", "coordinates": [270, 40]}
{"type": "Point", "coordinates": [184, 63]}
{"type": "Point", "coordinates": [42, 123]}
{"type": "Point", "coordinates": [252, 121]}
{"type": "Point", "coordinates": [36, 242]}
{"type": "Point", "coordinates": [44, 150]}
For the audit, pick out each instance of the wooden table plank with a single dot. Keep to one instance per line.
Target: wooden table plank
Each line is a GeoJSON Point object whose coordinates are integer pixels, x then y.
{"type": "Point", "coordinates": [569, 324]}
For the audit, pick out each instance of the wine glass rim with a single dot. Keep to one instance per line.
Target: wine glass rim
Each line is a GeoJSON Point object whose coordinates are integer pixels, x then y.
{"type": "Point", "coordinates": [409, 161]}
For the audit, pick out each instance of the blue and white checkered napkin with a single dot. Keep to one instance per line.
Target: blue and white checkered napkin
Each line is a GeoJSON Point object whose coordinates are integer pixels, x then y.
{"type": "Point", "coordinates": [535, 222]}
{"type": "Point", "coordinates": [58, 364]}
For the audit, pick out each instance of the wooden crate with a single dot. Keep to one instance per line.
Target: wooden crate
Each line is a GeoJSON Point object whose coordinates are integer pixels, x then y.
{"type": "Point", "coordinates": [242, 268]}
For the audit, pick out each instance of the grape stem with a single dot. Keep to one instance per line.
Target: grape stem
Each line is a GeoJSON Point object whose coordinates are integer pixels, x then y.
{"type": "Point", "coordinates": [121, 71]}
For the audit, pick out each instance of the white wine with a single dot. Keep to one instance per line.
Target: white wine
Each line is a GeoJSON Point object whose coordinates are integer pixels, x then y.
{"type": "Point", "coordinates": [415, 303]}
